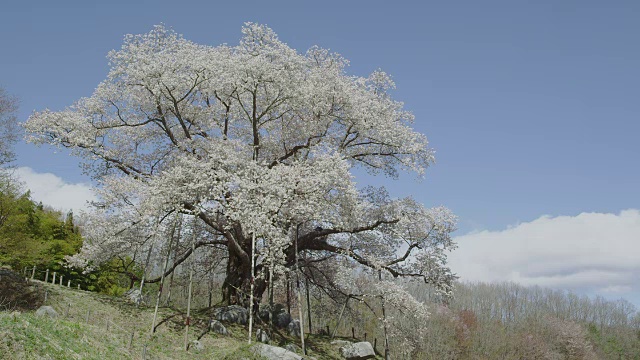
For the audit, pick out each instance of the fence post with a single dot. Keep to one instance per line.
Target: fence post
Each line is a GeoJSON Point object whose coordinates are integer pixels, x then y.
{"type": "Point", "coordinates": [131, 340]}
{"type": "Point", "coordinates": [33, 272]}
{"type": "Point", "coordinates": [54, 278]}
{"type": "Point", "coordinates": [61, 276]}
{"type": "Point", "coordinates": [46, 276]}
{"type": "Point", "coordinates": [78, 286]}
{"type": "Point", "coordinates": [68, 283]}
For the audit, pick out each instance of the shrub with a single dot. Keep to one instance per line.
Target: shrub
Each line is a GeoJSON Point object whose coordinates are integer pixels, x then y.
{"type": "Point", "coordinates": [16, 293]}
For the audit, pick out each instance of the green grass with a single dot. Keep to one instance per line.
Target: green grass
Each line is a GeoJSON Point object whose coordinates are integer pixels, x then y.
{"type": "Point", "coordinates": [96, 326]}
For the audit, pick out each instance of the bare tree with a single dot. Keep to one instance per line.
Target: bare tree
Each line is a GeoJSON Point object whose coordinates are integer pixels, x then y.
{"type": "Point", "coordinates": [8, 126]}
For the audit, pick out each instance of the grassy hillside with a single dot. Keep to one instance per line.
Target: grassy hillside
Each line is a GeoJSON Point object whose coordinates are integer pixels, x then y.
{"type": "Point", "coordinates": [95, 326]}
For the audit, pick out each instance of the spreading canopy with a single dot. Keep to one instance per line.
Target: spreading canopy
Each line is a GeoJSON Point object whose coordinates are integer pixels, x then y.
{"type": "Point", "coordinates": [254, 139]}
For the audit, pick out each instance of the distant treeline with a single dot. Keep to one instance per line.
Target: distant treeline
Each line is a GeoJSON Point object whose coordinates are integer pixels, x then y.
{"type": "Point", "coordinates": [510, 321]}
{"type": "Point", "coordinates": [510, 303]}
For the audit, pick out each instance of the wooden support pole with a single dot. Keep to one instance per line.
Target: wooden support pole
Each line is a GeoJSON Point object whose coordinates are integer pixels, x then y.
{"type": "Point", "coordinates": [131, 340]}
{"type": "Point", "coordinates": [33, 272]}
{"type": "Point", "coordinates": [146, 267]}
{"type": "Point", "coordinates": [340, 318]}
{"type": "Point", "coordinates": [193, 250]}
{"type": "Point", "coordinates": [306, 283]}
{"type": "Point", "coordinates": [188, 322]}
{"type": "Point", "coordinates": [387, 354]}
{"type": "Point", "coordinates": [271, 305]}
{"type": "Point", "coordinates": [301, 317]}
{"type": "Point", "coordinates": [288, 278]}
{"type": "Point", "coordinates": [46, 276]}
{"type": "Point", "coordinates": [253, 264]}
{"type": "Point", "coordinates": [176, 247]}
{"type": "Point", "coordinates": [146, 264]}
{"type": "Point", "coordinates": [253, 269]}
{"type": "Point", "coordinates": [54, 278]}
{"type": "Point", "coordinates": [164, 270]}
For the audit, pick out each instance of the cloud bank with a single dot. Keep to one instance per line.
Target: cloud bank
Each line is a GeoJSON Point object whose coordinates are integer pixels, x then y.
{"type": "Point", "coordinates": [590, 252]}
{"type": "Point", "coordinates": [54, 191]}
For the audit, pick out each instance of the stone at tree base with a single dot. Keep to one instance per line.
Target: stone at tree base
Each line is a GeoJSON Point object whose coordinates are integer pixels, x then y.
{"type": "Point", "coordinates": [196, 345]}
{"type": "Point", "coordinates": [46, 311]}
{"type": "Point", "coordinates": [281, 318]}
{"type": "Point", "coordinates": [293, 348]}
{"type": "Point", "coordinates": [217, 327]}
{"type": "Point", "coordinates": [134, 296]}
{"type": "Point", "coordinates": [294, 328]}
{"type": "Point", "coordinates": [15, 315]}
{"type": "Point", "coordinates": [262, 336]}
{"type": "Point", "coordinates": [358, 351]}
{"type": "Point", "coordinates": [265, 309]}
{"type": "Point", "coordinates": [341, 343]}
{"type": "Point", "coordinates": [277, 353]}
{"type": "Point", "coordinates": [232, 313]}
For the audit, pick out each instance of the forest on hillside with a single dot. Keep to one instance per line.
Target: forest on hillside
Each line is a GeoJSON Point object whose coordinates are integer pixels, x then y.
{"type": "Point", "coordinates": [35, 238]}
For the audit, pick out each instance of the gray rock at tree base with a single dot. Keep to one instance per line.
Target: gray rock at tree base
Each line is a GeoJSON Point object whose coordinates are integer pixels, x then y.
{"type": "Point", "coordinates": [341, 343]}
{"type": "Point", "coordinates": [196, 345]}
{"type": "Point", "coordinates": [262, 336]}
{"type": "Point", "coordinates": [275, 353]}
{"type": "Point", "coordinates": [232, 313]}
{"type": "Point", "coordinates": [217, 327]}
{"type": "Point", "coordinates": [265, 309]}
{"type": "Point", "coordinates": [46, 311]}
{"type": "Point", "coordinates": [134, 296]}
{"type": "Point", "coordinates": [294, 328]}
{"type": "Point", "coordinates": [293, 348]}
{"type": "Point", "coordinates": [358, 351]}
{"type": "Point", "coordinates": [281, 318]}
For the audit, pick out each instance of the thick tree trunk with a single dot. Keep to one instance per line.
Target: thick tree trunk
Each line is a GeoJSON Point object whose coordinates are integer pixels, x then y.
{"type": "Point", "coordinates": [237, 283]}
{"type": "Point", "coordinates": [232, 285]}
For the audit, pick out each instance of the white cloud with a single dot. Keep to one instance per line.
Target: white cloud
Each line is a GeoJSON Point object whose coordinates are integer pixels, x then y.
{"type": "Point", "coordinates": [590, 252]}
{"type": "Point", "coordinates": [54, 191]}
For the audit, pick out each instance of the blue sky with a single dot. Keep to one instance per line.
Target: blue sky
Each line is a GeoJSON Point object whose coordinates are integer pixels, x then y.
{"type": "Point", "coordinates": [532, 107]}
